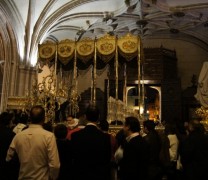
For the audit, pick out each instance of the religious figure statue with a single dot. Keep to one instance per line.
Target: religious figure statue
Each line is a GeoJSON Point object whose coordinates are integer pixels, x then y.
{"type": "Point", "coordinates": [202, 89]}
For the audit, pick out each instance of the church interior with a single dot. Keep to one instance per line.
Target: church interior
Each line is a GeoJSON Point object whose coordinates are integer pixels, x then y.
{"type": "Point", "coordinates": [140, 57]}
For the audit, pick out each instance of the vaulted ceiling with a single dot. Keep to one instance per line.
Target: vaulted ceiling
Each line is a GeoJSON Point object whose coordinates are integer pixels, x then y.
{"type": "Point", "coordinates": [26, 23]}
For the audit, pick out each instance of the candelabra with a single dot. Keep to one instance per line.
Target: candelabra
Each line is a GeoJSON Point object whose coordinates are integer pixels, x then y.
{"type": "Point", "coordinates": [46, 94]}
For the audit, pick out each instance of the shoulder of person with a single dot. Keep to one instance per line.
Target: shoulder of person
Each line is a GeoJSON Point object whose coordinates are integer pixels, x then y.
{"type": "Point", "coordinates": [77, 133]}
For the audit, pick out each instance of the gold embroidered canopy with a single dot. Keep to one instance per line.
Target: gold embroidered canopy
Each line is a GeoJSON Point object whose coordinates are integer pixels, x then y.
{"type": "Point", "coordinates": [128, 47]}
{"type": "Point", "coordinates": [99, 52]}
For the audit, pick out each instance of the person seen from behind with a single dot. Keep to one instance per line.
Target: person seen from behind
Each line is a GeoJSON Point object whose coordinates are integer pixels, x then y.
{"type": "Point", "coordinates": [8, 170]}
{"type": "Point", "coordinates": [170, 167]}
{"type": "Point", "coordinates": [91, 149]}
{"type": "Point", "coordinates": [153, 140]}
{"type": "Point", "coordinates": [134, 164]}
{"type": "Point", "coordinates": [194, 156]}
{"type": "Point", "coordinates": [22, 123]}
{"type": "Point", "coordinates": [104, 126]}
{"type": "Point", "coordinates": [36, 149]}
{"type": "Point", "coordinates": [64, 149]}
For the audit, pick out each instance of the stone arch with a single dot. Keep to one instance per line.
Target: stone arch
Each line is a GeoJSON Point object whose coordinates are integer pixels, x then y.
{"type": "Point", "coordinates": [10, 57]}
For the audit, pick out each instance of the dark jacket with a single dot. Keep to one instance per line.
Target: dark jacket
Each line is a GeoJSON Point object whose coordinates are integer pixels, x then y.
{"type": "Point", "coordinates": [91, 154]}
{"type": "Point", "coordinates": [65, 156]}
{"type": "Point", "coordinates": [134, 164]}
{"type": "Point", "coordinates": [8, 170]}
{"type": "Point", "coordinates": [194, 156]}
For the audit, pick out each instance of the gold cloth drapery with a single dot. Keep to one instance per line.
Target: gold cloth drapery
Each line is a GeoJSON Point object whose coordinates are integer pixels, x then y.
{"type": "Point", "coordinates": [47, 51]}
{"type": "Point", "coordinates": [85, 49]}
{"type": "Point", "coordinates": [66, 51]}
{"type": "Point", "coordinates": [106, 46]}
{"type": "Point", "coordinates": [128, 46]}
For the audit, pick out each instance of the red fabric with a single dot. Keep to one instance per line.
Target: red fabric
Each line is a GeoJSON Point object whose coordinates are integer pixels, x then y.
{"type": "Point", "coordinates": [70, 131]}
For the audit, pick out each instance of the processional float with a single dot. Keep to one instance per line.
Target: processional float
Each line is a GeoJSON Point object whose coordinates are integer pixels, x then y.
{"type": "Point", "coordinates": [202, 95]}
{"type": "Point", "coordinates": [53, 89]}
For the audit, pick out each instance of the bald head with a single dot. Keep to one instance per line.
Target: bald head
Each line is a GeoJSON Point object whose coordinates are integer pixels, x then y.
{"type": "Point", "coordinates": [37, 114]}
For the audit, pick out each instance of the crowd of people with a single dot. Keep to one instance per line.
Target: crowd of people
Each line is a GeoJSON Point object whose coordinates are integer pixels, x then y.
{"type": "Point", "coordinates": [83, 148]}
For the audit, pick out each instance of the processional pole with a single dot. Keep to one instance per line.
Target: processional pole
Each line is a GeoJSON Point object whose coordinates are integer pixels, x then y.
{"type": "Point", "coordinates": [125, 84]}
{"type": "Point", "coordinates": [51, 92]}
{"type": "Point", "coordinates": [91, 93]}
{"type": "Point", "coordinates": [116, 69]}
{"type": "Point", "coordinates": [141, 93]}
{"type": "Point", "coordinates": [73, 96]}
{"type": "Point", "coordinates": [75, 64]}
{"type": "Point", "coordinates": [142, 77]}
{"type": "Point", "coordinates": [139, 75]}
{"type": "Point", "coordinates": [94, 72]}
{"type": "Point", "coordinates": [55, 83]}
{"type": "Point", "coordinates": [74, 83]}
{"type": "Point", "coordinates": [116, 85]}
{"type": "Point", "coordinates": [55, 69]}
{"type": "Point", "coordinates": [108, 83]}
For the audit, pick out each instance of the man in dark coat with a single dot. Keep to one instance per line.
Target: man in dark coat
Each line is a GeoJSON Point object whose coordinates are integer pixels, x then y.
{"type": "Point", "coordinates": [194, 152]}
{"type": "Point", "coordinates": [91, 150]}
{"type": "Point", "coordinates": [153, 140]}
{"type": "Point", "coordinates": [134, 164]}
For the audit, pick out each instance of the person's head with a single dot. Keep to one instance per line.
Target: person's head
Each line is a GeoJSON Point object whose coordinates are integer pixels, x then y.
{"type": "Point", "coordinates": [69, 118]}
{"type": "Point", "coordinates": [37, 114]}
{"type": "Point", "coordinates": [60, 131]}
{"type": "Point", "coordinates": [131, 125]}
{"type": "Point", "coordinates": [104, 125]}
{"type": "Point", "coordinates": [23, 118]}
{"type": "Point", "coordinates": [5, 118]}
{"type": "Point", "coordinates": [92, 113]}
{"type": "Point", "coordinates": [72, 122]}
{"type": "Point", "coordinates": [149, 126]}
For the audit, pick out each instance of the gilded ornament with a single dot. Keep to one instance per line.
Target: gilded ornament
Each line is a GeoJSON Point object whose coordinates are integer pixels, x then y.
{"type": "Point", "coordinates": [47, 51]}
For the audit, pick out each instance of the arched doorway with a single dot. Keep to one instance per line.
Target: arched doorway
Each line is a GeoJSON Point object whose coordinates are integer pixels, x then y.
{"type": "Point", "coordinates": [152, 101]}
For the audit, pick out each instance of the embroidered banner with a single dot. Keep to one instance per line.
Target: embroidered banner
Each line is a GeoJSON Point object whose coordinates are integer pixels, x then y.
{"type": "Point", "coordinates": [47, 51]}
{"type": "Point", "coordinates": [66, 51]}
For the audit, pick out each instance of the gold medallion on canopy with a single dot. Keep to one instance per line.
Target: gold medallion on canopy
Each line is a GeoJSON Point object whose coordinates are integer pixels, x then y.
{"type": "Point", "coordinates": [85, 49]}
{"type": "Point", "coordinates": [128, 46]}
{"type": "Point", "coordinates": [66, 51]}
{"type": "Point", "coordinates": [106, 46]}
{"type": "Point", "coordinates": [47, 51]}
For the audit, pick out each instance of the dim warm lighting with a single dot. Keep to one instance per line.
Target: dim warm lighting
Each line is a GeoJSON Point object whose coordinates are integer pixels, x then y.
{"type": "Point", "coordinates": [141, 109]}
{"type": "Point", "coordinates": [143, 82]}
